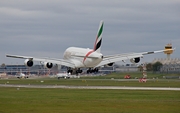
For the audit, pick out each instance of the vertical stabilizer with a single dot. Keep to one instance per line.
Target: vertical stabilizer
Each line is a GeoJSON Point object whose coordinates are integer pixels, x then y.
{"type": "Point", "coordinates": [97, 45]}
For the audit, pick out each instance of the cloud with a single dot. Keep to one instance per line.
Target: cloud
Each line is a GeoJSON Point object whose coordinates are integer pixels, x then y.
{"type": "Point", "coordinates": [47, 28]}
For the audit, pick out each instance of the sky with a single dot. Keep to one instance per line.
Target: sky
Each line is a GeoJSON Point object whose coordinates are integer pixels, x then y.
{"type": "Point", "coordinates": [45, 28]}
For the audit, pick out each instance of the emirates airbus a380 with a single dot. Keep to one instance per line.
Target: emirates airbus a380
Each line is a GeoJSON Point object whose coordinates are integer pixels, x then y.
{"type": "Point", "coordinates": [76, 58]}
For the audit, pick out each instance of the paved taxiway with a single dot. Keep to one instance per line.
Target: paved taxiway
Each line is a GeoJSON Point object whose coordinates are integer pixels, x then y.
{"type": "Point", "coordinates": [90, 87]}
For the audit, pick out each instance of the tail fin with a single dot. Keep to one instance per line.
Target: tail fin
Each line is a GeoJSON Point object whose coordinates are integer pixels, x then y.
{"type": "Point", "coordinates": [97, 45]}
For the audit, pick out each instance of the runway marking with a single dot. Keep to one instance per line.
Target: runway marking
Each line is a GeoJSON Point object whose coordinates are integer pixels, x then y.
{"type": "Point", "coordinates": [91, 87]}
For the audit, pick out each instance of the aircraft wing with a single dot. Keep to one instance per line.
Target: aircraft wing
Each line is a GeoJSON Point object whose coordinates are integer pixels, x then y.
{"type": "Point", "coordinates": [126, 56]}
{"type": "Point", "coordinates": [51, 60]}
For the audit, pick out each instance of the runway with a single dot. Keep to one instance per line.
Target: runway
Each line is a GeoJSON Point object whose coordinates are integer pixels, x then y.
{"type": "Point", "coordinates": [91, 87]}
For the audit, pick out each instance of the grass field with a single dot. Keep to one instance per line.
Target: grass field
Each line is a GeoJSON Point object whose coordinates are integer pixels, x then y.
{"type": "Point", "coordinates": [150, 75]}
{"type": "Point", "coordinates": [92, 82]}
{"type": "Point", "coordinates": [102, 81]}
{"type": "Point", "coordinates": [28, 100]}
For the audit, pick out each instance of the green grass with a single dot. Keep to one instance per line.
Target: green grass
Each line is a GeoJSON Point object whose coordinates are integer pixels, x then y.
{"type": "Point", "coordinates": [95, 82]}
{"type": "Point", "coordinates": [150, 75]}
{"type": "Point", "coordinates": [28, 100]}
{"type": "Point", "coordinates": [89, 82]}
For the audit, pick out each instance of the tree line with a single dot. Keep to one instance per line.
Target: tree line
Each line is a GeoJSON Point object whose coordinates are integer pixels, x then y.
{"type": "Point", "coordinates": [152, 67]}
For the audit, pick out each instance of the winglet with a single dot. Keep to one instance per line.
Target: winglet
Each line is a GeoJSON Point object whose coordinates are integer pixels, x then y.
{"type": "Point", "coordinates": [97, 44]}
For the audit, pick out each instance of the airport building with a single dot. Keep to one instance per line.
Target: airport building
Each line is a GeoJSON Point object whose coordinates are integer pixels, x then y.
{"type": "Point", "coordinates": [36, 70]}
{"type": "Point", "coordinates": [170, 65]}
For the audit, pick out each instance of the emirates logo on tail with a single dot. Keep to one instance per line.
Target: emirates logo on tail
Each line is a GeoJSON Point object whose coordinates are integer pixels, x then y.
{"type": "Point", "coordinates": [97, 45]}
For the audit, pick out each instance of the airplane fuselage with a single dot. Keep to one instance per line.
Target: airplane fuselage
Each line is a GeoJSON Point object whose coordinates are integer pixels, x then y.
{"type": "Point", "coordinates": [83, 57]}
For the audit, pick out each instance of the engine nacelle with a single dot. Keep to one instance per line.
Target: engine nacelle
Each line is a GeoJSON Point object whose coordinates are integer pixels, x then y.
{"type": "Point", "coordinates": [109, 65]}
{"type": "Point", "coordinates": [48, 65]}
{"type": "Point", "coordinates": [135, 60]}
{"type": "Point", "coordinates": [28, 63]}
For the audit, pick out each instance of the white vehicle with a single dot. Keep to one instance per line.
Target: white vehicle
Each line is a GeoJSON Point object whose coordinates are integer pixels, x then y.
{"type": "Point", "coordinates": [63, 75]}
{"type": "Point", "coordinates": [21, 75]}
{"type": "Point", "coordinates": [76, 58]}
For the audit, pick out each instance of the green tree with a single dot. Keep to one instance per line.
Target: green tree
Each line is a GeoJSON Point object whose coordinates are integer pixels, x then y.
{"type": "Point", "coordinates": [149, 67]}
{"type": "Point", "coordinates": [140, 68]}
{"type": "Point", "coordinates": [156, 66]}
{"type": "Point", "coordinates": [3, 65]}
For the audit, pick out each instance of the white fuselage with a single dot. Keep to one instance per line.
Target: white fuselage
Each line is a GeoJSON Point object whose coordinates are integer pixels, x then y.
{"type": "Point", "coordinates": [83, 57]}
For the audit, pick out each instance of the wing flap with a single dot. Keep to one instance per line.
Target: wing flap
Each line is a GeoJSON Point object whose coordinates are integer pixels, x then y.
{"type": "Point", "coordinates": [51, 60]}
{"type": "Point", "coordinates": [56, 61]}
{"type": "Point", "coordinates": [118, 57]}
{"type": "Point", "coordinates": [18, 56]}
{"type": "Point", "coordinates": [125, 56]}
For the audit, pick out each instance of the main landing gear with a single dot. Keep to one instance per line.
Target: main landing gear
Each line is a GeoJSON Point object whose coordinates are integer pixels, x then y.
{"type": "Point", "coordinates": [95, 70]}
{"type": "Point", "coordinates": [74, 71]}
{"type": "Point", "coordinates": [77, 71]}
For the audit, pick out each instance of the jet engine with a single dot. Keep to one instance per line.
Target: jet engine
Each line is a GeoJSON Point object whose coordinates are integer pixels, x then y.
{"type": "Point", "coordinates": [48, 65]}
{"type": "Point", "coordinates": [135, 60]}
{"type": "Point", "coordinates": [28, 63]}
{"type": "Point", "coordinates": [110, 64]}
